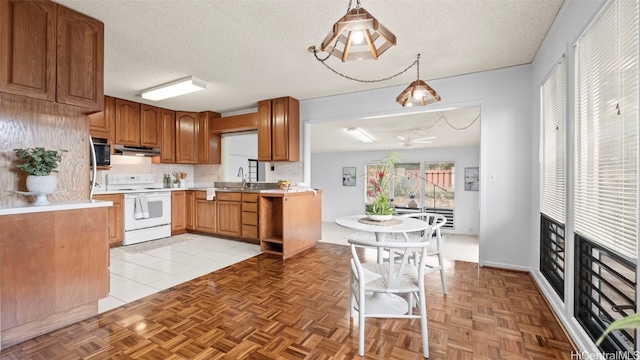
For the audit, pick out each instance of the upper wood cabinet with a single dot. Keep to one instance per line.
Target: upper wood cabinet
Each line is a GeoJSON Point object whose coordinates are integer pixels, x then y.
{"type": "Point", "coordinates": [127, 120]}
{"type": "Point", "coordinates": [80, 60]}
{"type": "Point", "coordinates": [102, 124]}
{"type": "Point", "coordinates": [28, 67]}
{"type": "Point", "coordinates": [209, 147]}
{"type": "Point", "coordinates": [150, 126]}
{"type": "Point", "coordinates": [50, 52]}
{"type": "Point", "coordinates": [168, 143]}
{"type": "Point", "coordinates": [279, 129]}
{"type": "Point", "coordinates": [186, 137]}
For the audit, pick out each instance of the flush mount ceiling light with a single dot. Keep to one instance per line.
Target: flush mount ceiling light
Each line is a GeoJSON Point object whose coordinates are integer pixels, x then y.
{"type": "Point", "coordinates": [418, 92]}
{"type": "Point", "coordinates": [359, 35]}
{"type": "Point", "coordinates": [172, 89]}
{"type": "Point", "coordinates": [360, 135]}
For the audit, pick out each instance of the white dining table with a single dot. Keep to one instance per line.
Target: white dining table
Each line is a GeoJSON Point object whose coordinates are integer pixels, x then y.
{"type": "Point", "coordinates": [407, 224]}
{"type": "Point", "coordinates": [380, 302]}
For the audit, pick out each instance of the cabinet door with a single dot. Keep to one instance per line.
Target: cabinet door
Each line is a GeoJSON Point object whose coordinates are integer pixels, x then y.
{"type": "Point", "coordinates": [116, 217]}
{"type": "Point", "coordinates": [264, 130]}
{"type": "Point", "coordinates": [80, 60]}
{"type": "Point", "coordinates": [28, 48]}
{"type": "Point", "coordinates": [229, 218]}
{"type": "Point", "coordinates": [127, 119]}
{"type": "Point", "coordinates": [203, 138]}
{"type": "Point", "coordinates": [101, 124]}
{"type": "Point", "coordinates": [205, 216]}
{"type": "Point", "coordinates": [186, 137]}
{"type": "Point", "coordinates": [178, 212]}
{"type": "Point", "coordinates": [190, 203]}
{"type": "Point", "coordinates": [168, 143]}
{"type": "Point", "coordinates": [285, 129]}
{"type": "Point", "coordinates": [150, 126]}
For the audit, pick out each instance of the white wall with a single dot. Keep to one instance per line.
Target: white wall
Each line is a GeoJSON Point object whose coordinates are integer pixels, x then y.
{"type": "Point", "coordinates": [338, 200]}
{"type": "Point", "coordinates": [504, 97]}
{"type": "Point", "coordinates": [237, 149]}
{"type": "Point", "coordinates": [572, 20]}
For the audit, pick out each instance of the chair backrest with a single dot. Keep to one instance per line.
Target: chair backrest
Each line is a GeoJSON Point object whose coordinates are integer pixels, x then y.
{"type": "Point", "coordinates": [395, 269]}
{"type": "Point", "coordinates": [435, 221]}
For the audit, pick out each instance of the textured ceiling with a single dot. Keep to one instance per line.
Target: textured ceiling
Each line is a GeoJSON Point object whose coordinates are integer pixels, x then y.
{"type": "Point", "coordinates": [248, 51]}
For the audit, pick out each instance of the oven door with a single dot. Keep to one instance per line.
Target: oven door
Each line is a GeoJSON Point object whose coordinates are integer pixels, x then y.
{"type": "Point", "coordinates": [159, 205]}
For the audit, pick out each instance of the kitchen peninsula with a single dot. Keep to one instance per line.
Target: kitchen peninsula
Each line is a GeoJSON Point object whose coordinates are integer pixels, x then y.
{"type": "Point", "coordinates": [54, 266]}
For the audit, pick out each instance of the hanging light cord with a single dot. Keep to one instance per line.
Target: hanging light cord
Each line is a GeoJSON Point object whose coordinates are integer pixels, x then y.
{"type": "Point", "coordinates": [442, 117]}
{"type": "Point", "coordinates": [315, 53]}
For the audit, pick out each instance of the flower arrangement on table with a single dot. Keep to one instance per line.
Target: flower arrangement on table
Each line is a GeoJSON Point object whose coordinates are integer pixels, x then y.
{"type": "Point", "coordinates": [377, 189]}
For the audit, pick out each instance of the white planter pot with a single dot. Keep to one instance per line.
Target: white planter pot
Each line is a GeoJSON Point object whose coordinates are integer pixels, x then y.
{"type": "Point", "coordinates": [379, 217]}
{"type": "Point", "coordinates": [42, 184]}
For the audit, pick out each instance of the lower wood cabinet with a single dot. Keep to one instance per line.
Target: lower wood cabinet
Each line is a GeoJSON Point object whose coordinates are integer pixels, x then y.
{"type": "Point", "coordinates": [178, 212]}
{"type": "Point", "coordinates": [229, 213]}
{"type": "Point", "coordinates": [205, 213]}
{"type": "Point", "coordinates": [250, 217]}
{"type": "Point", "coordinates": [190, 211]}
{"type": "Point", "coordinates": [116, 217]}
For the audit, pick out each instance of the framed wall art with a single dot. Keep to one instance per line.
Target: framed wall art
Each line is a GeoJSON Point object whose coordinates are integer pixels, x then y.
{"type": "Point", "coordinates": [348, 176]}
{"type": "Point", "coordinates": [471, 179]}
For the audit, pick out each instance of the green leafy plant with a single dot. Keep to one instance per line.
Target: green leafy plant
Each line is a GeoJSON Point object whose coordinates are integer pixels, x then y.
{"type": "Point", "coordinates": [39, 161]}
{"type": "Point", "coordinates": [377, 188]}
{"type": "Point", "coordinates": [627, 322]}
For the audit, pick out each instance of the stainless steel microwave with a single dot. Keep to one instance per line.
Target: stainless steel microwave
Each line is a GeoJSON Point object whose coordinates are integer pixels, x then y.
{"type": "Point", "coordinates": [103, 154]}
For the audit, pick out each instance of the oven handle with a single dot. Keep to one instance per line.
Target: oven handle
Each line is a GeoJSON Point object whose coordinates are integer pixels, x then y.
{"type": "Point", "coordinates": [154, 195]}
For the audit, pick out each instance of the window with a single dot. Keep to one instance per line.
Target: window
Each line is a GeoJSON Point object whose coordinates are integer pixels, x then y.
{"type": "Point", "coordinates": [606, 171]}
{"type": "Point", "coordinates": [553, 103]}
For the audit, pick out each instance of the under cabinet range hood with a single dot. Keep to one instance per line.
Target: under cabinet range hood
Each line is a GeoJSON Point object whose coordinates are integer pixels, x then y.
{"type": "Point", "coordinates": [136, 150]}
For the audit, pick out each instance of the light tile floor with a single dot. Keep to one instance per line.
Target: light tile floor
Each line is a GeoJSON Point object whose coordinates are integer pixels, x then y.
{"type": "Point", "coordinates": [143, 269]}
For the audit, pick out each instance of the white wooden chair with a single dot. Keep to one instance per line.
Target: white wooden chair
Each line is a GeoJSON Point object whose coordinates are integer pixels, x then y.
{"type": "Point", "coordinates": [392, 285]}
{"type": "Point", "coordinates": [435, 247]}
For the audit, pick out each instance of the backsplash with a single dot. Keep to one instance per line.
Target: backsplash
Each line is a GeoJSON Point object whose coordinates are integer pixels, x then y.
{"type": "Point", "coordinates": [198, 175]}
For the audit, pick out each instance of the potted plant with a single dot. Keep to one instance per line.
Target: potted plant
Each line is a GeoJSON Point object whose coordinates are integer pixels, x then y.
{"type": "Point", "coordinates": [39, 163]}
{"type": "Point", "coordinates": [380, 208]}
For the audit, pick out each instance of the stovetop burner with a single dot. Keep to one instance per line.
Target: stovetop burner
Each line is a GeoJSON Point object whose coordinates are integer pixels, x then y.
{"type": "Point", "coordinates": [153, 188]}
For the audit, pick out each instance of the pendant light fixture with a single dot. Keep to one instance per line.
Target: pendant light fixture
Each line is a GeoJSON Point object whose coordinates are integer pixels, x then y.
{"type": "Point", "coordinates": [418, 92]}
{"type": "Point", "coordinates": [359, 35]}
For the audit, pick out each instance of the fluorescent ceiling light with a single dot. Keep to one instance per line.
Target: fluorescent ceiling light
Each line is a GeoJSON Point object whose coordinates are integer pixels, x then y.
{"type": "Point", "coordinates": [172, 89]}
{"type": "Point", "coordinates": [360, 135]}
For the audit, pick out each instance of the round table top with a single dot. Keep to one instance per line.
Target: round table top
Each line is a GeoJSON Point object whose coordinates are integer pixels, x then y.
{"type": "Point", "coordinates": [408, 224]}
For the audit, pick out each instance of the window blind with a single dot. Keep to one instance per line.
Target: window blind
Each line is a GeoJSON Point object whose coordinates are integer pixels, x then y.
{"type": "Point", "coordinates": [606, 129]}
{"type": "Point", "coordinates": [553, 110]}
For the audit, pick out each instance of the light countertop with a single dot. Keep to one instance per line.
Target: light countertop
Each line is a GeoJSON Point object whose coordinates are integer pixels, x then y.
{"type": "Point", "coordinates": [71, 205]}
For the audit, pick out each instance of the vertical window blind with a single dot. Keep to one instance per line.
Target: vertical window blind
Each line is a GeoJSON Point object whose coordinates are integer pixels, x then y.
{"type": "Point", "coordinates": [606, 129]}
{"type": "Point", "coordinates": [553, 110]}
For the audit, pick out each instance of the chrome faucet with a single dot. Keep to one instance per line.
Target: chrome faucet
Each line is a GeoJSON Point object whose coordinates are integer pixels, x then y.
{"type": "Point", "coordinates": [241, 175]}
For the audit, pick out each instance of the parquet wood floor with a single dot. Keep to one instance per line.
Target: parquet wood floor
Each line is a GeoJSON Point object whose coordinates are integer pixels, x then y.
{"type": "Point", "coordinates": [264, 308]}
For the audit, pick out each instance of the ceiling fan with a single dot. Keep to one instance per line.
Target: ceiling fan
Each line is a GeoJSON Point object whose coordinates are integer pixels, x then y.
{"type": "Point", "coordinates": [408, 141]}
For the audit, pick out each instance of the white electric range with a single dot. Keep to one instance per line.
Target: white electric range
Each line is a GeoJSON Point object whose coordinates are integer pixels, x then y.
{"type": "Point", "coordinates": [147, 208]}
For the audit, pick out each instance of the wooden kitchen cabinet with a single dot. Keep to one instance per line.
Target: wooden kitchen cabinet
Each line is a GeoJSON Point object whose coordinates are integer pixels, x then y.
{"type": "Point", "coordinates": [178, 212]}
{"type": "Point", "coordinates": [209, 147]}
{"type": "Point", "coordinates": [51, 52]}
{"type": "Point", "coordinates": [102, 123]}
{"type": "Point", "coordinates": [150, 126]}
{"type": "Point", "coordinates": [116, 217]}
{"type": "Point", "coordinates": [80, 60]}
{"type": "Point", "coordinates": [168, 143]}
{"type": "Point", "coordinates": [279, 129]}
{"type": "Point", "coordinates": [190, 211]}
{"type": "Point", "coordinates": [250, 217]}
{"type": "Point", "coordinates": [229, 213]}
{"type": "Point", "coordinates": [127, 122]}
{"type": "Point", "coordinates": [54, 267]}
{"type": "Point", "coordinates": [186, 137]}
{"type": "Point", "coordinates": [290, 222]}
{"type": "Point", "coordinates": [205, 213]}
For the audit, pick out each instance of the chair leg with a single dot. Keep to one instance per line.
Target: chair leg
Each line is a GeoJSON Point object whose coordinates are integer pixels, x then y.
{"type": "Point", "coordinates": [444, 282]}
{"type": "Point", "coordinates": [361, 324]}
{"type": "Point", "coordinates": [423, 324]}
